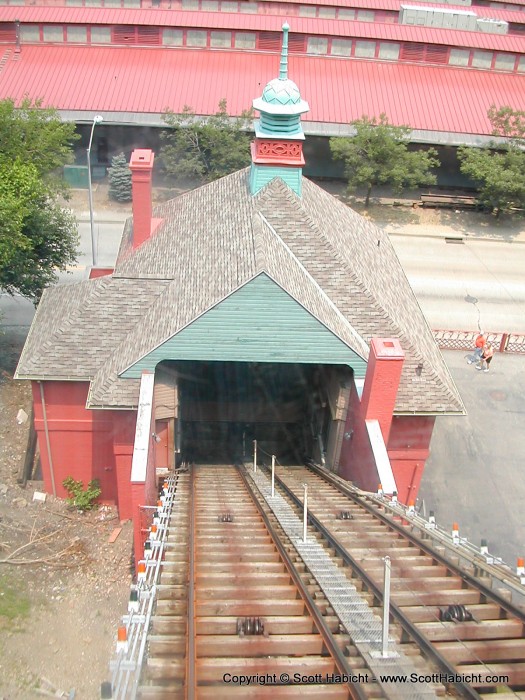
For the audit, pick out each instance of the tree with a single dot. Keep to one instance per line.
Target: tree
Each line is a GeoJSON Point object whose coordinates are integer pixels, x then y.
{"type": "Point", "coordinates": [119, 179]}
{"type": "Point", "coordinates": [37, 237]}
{"type": "Point", "coordinates": [507, 122]}
{"type": "Point", "coordinates": [378, 155]}
{"type": "Point", "coordinates": [499, 168]}
{"type": "Point", "coordinates": [36, 135]}
{"type": "Point", "coordinates": [205, 147]}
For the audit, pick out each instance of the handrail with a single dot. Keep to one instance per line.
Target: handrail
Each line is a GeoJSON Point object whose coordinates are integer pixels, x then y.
{"type": "Point", "coordinates": [127, 666]}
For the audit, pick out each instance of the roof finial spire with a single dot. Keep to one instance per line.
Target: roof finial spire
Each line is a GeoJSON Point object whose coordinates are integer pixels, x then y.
{"type": "Point", "coordinates": [283, 66]}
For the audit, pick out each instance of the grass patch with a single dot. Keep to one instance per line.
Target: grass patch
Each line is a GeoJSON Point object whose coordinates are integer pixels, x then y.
{"type": "Point", "coordinates": [14, 601]}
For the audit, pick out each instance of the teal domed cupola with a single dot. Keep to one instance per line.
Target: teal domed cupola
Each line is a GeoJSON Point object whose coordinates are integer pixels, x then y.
{"type": "Point", "coordinates": [277, 149]}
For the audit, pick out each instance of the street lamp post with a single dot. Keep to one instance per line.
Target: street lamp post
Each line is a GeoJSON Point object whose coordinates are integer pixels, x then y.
{"type": "Point", "coordinates": [96, 120]}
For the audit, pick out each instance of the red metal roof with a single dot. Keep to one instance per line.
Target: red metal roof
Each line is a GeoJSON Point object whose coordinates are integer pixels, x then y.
{"type": "Point", "coordinates": [496, 12]}
{"type": "Point", "coordinates": [144, 80]}
{"type": "Point", "coordinates": [238, 21]}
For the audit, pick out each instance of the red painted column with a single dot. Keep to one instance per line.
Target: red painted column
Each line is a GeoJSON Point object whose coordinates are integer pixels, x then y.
{"type": "Point", "coordinates": [141, 166]}
{"type": "Point", "coordinates": [383, 374]}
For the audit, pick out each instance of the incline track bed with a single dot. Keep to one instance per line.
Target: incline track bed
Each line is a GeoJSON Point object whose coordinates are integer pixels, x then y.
{"type": "Point", "coordinates": [424, 583]}
{"type": "Point", "coordinates": [226, 568]}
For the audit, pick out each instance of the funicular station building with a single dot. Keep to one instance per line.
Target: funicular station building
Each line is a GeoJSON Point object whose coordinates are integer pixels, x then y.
{"type": "Point", "coordinates": [436, 67]}
{"type": "Point", "coordinates": [257, 307]}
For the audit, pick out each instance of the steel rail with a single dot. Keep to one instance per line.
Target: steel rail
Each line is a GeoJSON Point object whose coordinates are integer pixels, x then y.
{"type": "Point", "coordinates": [424, 645]}
{"type": "Point", "coordinates": [190, 679]}
{"type": "Point", "coordinates": [470, 579]}
{"type": "Point", "coordinates": [336, 653]}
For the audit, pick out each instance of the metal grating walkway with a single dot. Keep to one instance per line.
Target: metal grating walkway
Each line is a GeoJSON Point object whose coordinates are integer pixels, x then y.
{"type": "Point", "coordinates": [361, 623]}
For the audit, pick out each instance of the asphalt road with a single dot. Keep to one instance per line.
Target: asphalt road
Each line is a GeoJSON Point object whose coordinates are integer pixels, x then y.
{"type": "Point", "coordinates": [458, 286]}
{"type": "Point", "coordinates": [474, 475]}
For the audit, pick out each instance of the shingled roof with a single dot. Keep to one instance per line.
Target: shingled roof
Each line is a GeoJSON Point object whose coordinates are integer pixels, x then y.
{"type": "Point", "coordinates": [213, 240]}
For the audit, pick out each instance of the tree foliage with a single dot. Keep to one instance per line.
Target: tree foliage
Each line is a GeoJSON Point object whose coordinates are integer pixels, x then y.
{"type": "Point", "coordinates": [205, 147]}
{"type": "Point", "coordinates": [34, 134]}
{"type": "Point", "coordinates": [378, 155]}
{"type": "Point", "coordinates": [498, 169]}
{"type": "Point", "coordinates": [37, 236]}
{"type": "Point", "coordinates": [507, 122]}
{"type": "Point", "coordinates": [119, 179]}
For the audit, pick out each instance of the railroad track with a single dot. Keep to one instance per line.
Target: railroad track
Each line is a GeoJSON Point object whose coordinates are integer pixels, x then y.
{"type": "Point", "coordinates": [446, 613]}
{"type": "Point", "coordinates": [235, 602]}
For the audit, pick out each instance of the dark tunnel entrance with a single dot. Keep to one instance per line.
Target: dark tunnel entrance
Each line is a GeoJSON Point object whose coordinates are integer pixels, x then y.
{"type": "Point", "coordinates": [288, 408]}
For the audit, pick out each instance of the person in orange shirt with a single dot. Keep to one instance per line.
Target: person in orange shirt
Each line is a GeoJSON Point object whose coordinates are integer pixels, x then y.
{"type": "Point", "coordinates": [486, 358]}
{"type": "Point", "coordinates": [478, 349]}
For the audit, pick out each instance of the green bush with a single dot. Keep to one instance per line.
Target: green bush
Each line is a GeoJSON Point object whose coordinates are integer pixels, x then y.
{"type": "Point", "coordinates": [80, 498]}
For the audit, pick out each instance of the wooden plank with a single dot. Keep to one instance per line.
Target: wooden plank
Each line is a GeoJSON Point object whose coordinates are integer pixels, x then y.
{"type": "Point", "coordinates": [438, 583]}
{"type": "Point", "coordinates": [273, 624]}
{"type": "Point", "coordinates": [226, 542]}
{"type": "Point", "coordinates": [424, 613]}
{"type": "Point", "coordinates": [471, 651]}
{"type": "Point", "coordinates": [260, 645]}
{"type": "Point", "coordinates": [444, 200]}
{"type": "Point", "coordinates": [259, 592]}
{"type": "Point", "coordinates": [463, 596]}
{"type": "Point", "coordinates": [171, 607]}
{"type": "Point", "coordinates": [246, 555]}
{"type": "Point", "coordinates": [402, 571]}
{"type": "Point", "coordinates": [252, 608]}
{"type": "Point", "coordinates": [211, 567]}
{"type": "Point", "coordinates": [212, 670]}
{"type": "Point", "coordinates": [168, 625]}
{"type": "Point", "coordinates": [163, 645]}
{"type": "Point", "coordinates": [164, 669]}
{"type": "Point", "coordinates": [241, 579]}
{"type": "Point", "coordinates": [116, 532]}
{"type": "Point", "coordinates": [489, 629]}
{"type": "Point", "coordinates": [483, 676]}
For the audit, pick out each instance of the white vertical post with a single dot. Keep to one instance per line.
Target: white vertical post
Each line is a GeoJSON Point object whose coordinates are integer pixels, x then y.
{"type": "Point", "coordinates": [255, 455]}
{"type": "Point", "coordinates": [386, 607]}
{"type": "Point", "coordinates": [96, 120]}
{"type": "Point", "coordinates": [273, 476]}
{"type": "Point", "coordinates": [305, 512]}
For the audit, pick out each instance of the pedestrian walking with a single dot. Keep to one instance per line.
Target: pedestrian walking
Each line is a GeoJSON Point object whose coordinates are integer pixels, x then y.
{"type": "Point", "coordinates": [479, 345]}
{"type": "Point", "coordinates": [486, 358]}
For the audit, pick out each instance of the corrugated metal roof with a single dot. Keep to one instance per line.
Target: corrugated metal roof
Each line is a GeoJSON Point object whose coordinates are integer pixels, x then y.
{"type": "Point", "coordinates": [393, 5]}
{"type": "Point", "coordinates": [273, 23]}
{"type": "Point", "coordinates": [145, 80]}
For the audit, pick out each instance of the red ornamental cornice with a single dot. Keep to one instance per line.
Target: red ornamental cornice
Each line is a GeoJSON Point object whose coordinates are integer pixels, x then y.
{"type": "Point", "coordinates": [277, 152]}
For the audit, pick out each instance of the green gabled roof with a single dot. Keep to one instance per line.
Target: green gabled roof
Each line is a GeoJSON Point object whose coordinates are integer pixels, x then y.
{"type": "Point", "coordinates": [260, 322]}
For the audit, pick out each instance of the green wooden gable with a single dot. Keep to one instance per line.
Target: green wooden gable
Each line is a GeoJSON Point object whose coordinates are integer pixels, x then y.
{"type": "Point", "coordinates": [260, 322]}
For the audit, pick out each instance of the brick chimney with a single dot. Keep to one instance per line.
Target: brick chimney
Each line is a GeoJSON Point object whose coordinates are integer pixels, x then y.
{"type": "Point", "coordinates": [141, 166]}
{"type": "Point", "coordinates": [383, 374]}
